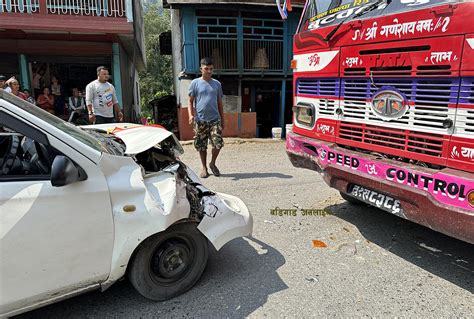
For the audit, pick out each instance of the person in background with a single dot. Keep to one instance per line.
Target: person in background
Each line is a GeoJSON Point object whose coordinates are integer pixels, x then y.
{"type": "Point", "coordinates": [101, 100]}
{"type": "Point", "coordinates": [57, 92]}
{"type": "Point", "coordinates": [37, 79]}
{"type": "Point", "coordinates": [29, 98]}
{"type": "Point", "coordinates": [7, 87]}
{"type": "Point", "coordinates": [15, 88]}
{"type": "Point", "coordinates": [46, 101]}
{"type": "Point", "coordinates": [3, 82]}
{"type": "Point", "coordinates": [76, 105]}
{"type": "Point", "coordinates": [206, 114]}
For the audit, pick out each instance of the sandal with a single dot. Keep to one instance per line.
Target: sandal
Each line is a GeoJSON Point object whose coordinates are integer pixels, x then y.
{"type": "Point", "coordinates": [204, 174]}
{"type": "Point", "coordinates": [215, 170]}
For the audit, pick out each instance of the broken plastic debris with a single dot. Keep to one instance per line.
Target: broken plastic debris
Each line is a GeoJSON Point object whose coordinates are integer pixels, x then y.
{"type": "Point", "coordinates": [268, 221]}
{"type": "Point", "coordinates": [319, 244]}
{"type": "Point", "coordinates": [238, 307]}
{"type": "Point", "coordinates": [435, 250]}
{"type": "Point", "coordinates": [312, 279]}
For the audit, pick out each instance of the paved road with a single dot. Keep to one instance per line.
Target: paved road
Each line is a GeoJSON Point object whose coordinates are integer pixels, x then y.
{"type": "Point", "coordinates": [375, 264]}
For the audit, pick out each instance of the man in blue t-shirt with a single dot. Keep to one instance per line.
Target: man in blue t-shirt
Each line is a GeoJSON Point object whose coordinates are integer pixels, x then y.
{"type": "Point", "coordinates": [206, 113]}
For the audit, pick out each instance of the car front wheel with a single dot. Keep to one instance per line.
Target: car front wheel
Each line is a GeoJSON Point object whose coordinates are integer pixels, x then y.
{"type": "Point", "coordinates": [169, 263]}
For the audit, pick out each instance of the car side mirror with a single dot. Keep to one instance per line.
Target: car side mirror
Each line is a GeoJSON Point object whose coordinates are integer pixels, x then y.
{"type": "Point", "coordinates": [64, 172]}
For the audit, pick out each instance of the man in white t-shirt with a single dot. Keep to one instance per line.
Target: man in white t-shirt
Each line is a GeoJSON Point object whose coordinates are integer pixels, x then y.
{"type": "Point", "coordinates": [101, 99]}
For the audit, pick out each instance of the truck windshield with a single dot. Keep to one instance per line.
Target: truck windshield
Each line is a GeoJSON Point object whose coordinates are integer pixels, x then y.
{"type": "Point", "coordinates": [322, 13]}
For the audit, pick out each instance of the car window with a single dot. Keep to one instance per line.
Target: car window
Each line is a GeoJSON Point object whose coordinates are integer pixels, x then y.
{"type": "Point", "coordinates": [23, 157]}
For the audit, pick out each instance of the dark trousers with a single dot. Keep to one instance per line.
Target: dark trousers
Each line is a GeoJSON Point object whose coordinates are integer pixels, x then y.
{"type": "Point", "coordinates": [103, 120]}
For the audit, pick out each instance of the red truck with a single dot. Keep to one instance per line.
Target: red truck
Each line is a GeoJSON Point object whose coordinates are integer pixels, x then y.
{"type": "Point", "coordinates": [384, 106]}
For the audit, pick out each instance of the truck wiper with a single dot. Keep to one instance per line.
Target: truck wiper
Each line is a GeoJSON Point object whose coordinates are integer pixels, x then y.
{"type": "Point", "coordinates": [368, 9]}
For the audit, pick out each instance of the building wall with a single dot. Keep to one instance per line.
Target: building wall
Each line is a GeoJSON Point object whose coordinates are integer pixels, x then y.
{"type": "Point", "coordinates": [237, 104]}
{"type": "Point", "coordinates": [43, 30]}
{"type": "Point", "coordinates": [177, 61]}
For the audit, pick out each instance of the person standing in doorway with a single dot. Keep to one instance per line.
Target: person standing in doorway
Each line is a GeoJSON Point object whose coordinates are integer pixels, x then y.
{"type": "Point", "coordinates": [57, 92]}
{"type": "Point", "coordinates": [38, 81]}
{"type": "Point", "coordinates": [206, 113]}
{"type": "Point", "coordinates": [76, 105]}
{"type": "Point", "coordinates": [101, 100]}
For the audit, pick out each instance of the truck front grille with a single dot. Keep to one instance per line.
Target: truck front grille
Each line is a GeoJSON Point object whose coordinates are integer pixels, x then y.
{"type": "Point", "coordinates": [403, 143]}
{"type": "Point", "coordinates": [429, 100]}
{"type": "Point", "coordinates": [318, 87]}
{"type": "Point", "coordinates": [465, 113]}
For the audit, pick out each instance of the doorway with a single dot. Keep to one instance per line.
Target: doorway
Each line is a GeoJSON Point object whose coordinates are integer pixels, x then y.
{"type": "Point", "coordinates": [72, 72]}
{"type": "Point", "coordinates": [266, 104]}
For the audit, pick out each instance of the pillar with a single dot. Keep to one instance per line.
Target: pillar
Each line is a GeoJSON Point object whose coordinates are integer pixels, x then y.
{"type": "Point", "coordinates": [116, 74]}
{"type": "Point", "coordinates": [24, 72]}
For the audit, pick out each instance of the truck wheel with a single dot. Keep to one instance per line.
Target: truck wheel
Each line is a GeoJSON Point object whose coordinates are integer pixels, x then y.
{"type": "Point", "coordinates": [169, 263]}
{"type": "Point", "coordinates": [351, 199]}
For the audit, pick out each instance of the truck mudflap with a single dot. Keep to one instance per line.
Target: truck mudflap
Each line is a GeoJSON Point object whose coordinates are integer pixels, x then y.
{"type": "Point", "coordinates": [438, 199]}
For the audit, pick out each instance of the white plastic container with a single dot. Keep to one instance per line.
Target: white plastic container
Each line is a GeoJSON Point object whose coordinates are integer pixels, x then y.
{"type": "Point", "coordinates": [276, 133]}
{"type": "Point", "coordinates": [288, 128]}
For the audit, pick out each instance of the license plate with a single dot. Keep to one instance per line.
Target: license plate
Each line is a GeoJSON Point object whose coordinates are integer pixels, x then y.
{"type": "Point", "coordinates": [382, 201]}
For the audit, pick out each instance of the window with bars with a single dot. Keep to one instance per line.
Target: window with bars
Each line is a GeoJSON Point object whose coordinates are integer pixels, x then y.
{"type": "Point", "coordinates": [241, 43]}
{"type": "Point", "coordinates": [217, 38]}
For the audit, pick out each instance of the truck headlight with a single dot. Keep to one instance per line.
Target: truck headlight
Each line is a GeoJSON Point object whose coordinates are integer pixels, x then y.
{"type": "Point", "coordinates": [305, 114]}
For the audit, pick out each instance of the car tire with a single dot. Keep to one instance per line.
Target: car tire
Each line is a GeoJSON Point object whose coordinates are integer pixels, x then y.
{"type": "Point", "coordinates": [351, 199]}
{"type": "Point", "coordinates": [169, 263]}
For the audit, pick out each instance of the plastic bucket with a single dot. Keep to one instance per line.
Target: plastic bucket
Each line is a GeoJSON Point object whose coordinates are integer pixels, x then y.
{"type": "Point", "coordinates": [276, 133]}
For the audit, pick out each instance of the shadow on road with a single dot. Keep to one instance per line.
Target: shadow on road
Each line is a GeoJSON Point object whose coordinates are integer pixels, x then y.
{"type": "Point", "coordinates": [443, 256]}
{"type": "Point", "coordinates": [238, 280]}
{"type": "Point", "coordinates": [239, 176]}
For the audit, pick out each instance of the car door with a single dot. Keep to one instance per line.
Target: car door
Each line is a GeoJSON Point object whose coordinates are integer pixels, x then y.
{"type": "Point", "coordinates": [53, 240]}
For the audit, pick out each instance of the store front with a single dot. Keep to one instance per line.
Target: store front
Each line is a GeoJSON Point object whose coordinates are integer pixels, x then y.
{"type": "Point", "coordinates": [72, 72]}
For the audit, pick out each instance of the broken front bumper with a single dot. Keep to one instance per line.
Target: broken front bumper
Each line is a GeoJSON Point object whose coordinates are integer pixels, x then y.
{"type": "Point", "coordinates": [227, 218]}
{"type": "Point", "coordinates": [434, 198]}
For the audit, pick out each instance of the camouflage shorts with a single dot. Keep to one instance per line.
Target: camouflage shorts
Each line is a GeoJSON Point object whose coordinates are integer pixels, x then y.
{"type": "Point", "coordinates": [204, 131]}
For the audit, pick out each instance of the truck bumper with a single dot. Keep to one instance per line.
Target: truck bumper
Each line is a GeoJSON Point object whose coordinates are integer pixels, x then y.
{"type": "Point", "coordinates": [437, 199]}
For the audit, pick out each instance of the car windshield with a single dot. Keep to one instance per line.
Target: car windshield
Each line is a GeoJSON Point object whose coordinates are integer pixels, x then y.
{"type": "Point", "coordinates": [322, 13]}
{"type": "Point", "coordinates": [68, 128]}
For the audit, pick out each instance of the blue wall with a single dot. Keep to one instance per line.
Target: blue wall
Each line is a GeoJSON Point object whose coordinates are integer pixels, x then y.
{"type": "Point", "coordinates": [190, 45]}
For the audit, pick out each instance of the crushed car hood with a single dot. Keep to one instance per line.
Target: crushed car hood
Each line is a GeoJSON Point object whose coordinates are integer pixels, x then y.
{"type": "Point", "coordinates": [138, 138]}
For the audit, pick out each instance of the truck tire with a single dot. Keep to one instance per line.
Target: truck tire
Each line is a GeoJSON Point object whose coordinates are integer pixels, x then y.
{"type": "Point", "coordinates": [351, 199]}
{"type": "Point", "coordinates": [169, 263]}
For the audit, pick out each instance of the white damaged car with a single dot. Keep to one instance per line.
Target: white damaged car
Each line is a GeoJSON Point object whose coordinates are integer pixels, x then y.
{"type": "Point", "coordinates": [80, 208]}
